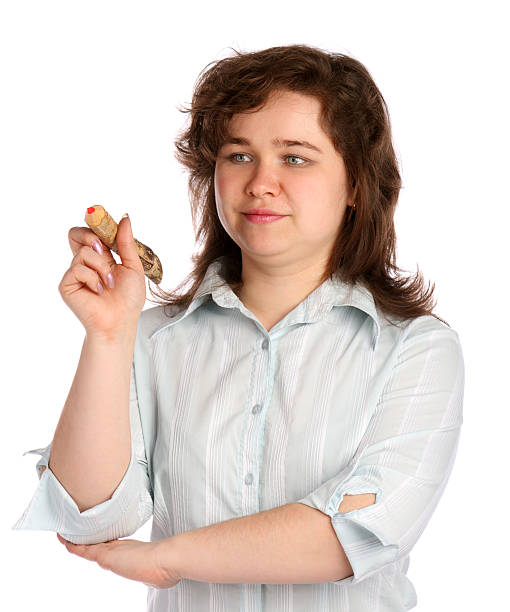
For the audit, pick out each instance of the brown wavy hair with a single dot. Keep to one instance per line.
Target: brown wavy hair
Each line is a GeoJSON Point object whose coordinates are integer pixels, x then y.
{"type": "Point", "coordinates": [355, 116]}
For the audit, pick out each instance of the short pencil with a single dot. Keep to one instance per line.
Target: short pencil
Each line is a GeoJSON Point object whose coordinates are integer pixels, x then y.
{"type": "Point", "coordinates": [103, 225]}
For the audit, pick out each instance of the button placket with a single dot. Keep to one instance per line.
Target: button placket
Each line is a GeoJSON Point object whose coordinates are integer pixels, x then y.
{"type": "Point", "coordinates": [250, 496]}
{"type": "Point", "coordinates": [248, 479]}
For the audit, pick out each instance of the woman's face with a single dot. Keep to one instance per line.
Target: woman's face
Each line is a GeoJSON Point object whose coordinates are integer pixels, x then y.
{"type": "Point", "coordinates": [309, 187]}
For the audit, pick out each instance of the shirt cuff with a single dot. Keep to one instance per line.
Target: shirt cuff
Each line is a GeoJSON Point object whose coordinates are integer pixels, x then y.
{"type": "Point", "coordinates": [366, 548]}
{"type": "Point", "coordinates": [53, 509]}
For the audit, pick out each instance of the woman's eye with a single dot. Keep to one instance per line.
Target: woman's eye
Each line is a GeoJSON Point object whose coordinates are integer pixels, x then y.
{"type": "Point", "coordinates": [296, 157]}
{"type": "Point", "coordinates": [234, 156]}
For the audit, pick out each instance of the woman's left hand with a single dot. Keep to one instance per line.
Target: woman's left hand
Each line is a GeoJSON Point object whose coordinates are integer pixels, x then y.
{"type": "Point", "coordinates": [131, 559]}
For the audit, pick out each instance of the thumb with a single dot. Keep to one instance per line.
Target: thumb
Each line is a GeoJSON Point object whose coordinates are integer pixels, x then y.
{"type": "Point", "coordinates": [126, 245]}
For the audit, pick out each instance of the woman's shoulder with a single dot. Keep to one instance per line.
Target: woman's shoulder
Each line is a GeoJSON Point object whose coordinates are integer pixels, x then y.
{"type": "Point", "coordinates": [426, 328]}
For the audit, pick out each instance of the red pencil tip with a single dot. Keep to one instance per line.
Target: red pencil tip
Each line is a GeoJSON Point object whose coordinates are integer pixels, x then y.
{"type": "Point", "coordinates": [90, 210]}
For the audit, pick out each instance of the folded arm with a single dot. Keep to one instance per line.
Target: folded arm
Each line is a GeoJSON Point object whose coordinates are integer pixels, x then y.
{"type": "Point", "coordinates": [288, 544]}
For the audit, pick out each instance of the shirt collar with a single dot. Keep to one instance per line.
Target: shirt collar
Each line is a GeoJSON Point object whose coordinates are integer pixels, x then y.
{"type": "Point", "coordinates": [332, 292]}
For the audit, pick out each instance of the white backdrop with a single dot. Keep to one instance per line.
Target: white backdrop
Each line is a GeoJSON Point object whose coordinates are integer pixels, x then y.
{"type": "Point", "coordinates": [89, 113]}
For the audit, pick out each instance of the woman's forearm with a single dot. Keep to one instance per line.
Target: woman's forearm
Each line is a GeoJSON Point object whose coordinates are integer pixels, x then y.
{"type": "Point", "coordinates": [91, 448]}
{"type": "Point", "coordinates": [288, 544]}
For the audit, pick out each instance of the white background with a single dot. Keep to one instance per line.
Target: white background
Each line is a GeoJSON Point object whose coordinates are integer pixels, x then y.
{"type": "Point", "coordinates": [88, 114]}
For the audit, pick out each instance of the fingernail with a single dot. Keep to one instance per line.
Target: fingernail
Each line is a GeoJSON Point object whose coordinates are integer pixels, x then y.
{"type": "Point", "coordinates": [124, 216]}
{"type": "Point", "coordinates": [110, 281]}
{"type": "Point", "coordinates": [96, 245]}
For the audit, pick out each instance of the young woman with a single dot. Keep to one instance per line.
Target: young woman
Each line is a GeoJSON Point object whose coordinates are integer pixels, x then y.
{"type": "Point", "coordinates": [294, 415]}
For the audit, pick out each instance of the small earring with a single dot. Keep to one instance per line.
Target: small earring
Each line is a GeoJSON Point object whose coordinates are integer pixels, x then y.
{"type": "Point", "coordinates": [354, 206]}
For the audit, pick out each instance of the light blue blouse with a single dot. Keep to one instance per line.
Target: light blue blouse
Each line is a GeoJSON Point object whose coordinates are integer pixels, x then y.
{"type": "Point", "coordinates": [228, 419]}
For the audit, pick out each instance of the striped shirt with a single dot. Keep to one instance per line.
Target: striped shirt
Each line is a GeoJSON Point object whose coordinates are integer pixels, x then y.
{"type": "Point", "coordinates": [229, 419]}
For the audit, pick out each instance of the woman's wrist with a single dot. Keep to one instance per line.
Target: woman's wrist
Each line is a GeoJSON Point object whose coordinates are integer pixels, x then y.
{"type": "Point", "coordinates": [168, 558]}
{"type": "Point", "coordinates": [122, 336]}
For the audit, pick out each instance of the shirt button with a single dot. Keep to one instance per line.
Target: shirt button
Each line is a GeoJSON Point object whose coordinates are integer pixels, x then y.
{"type": "Point", "coordinates": [249, 478]}
{"type": "Point", "coordinates": [257, 408]}
{"type": "Point", "coordinates": [265, 343]}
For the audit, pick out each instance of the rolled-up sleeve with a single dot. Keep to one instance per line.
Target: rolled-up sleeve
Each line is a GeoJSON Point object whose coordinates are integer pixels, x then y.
{"type": "Point", "coordinates": [406, 455]}
{"type": "Point", "coordinates": [131, 505]}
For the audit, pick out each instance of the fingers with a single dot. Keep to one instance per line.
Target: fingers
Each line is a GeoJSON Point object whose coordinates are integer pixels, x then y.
{"type": "Point", "coordinates": [126, 246]}
{"type": "Point", "coordinates": [82, 550]}
{"type": "Point", "coordinates": [83, 236]}
{"type": "Point", "coordinates": [89, 268]}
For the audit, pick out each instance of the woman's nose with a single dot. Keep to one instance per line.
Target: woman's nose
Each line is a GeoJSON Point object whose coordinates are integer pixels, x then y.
{"type": "Point", "coordinates": [263, 180]}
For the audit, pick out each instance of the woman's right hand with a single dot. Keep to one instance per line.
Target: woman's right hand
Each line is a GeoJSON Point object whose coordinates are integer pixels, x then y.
{"type": "Point", "coordinates": [115, 312]}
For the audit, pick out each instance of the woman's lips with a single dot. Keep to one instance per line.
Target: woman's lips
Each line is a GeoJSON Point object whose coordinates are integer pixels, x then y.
{"type": "Point", "coordinates": [263, 218]}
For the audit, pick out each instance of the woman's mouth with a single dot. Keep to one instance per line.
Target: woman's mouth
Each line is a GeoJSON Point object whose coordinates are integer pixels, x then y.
{"type": "Point", "coordinates": [263, 218]}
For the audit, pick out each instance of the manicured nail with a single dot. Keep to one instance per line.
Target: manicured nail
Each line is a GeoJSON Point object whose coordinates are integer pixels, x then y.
{"type": "Point", "coordinates": [96, 245]}
{"type": "Point", "coordinates": [100, 288]}
{"type": "Point", "coordinates": [110, 281]}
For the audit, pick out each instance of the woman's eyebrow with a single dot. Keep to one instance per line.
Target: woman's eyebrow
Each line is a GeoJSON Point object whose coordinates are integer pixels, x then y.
{"type": "Point", "coordinates": [277, 142]}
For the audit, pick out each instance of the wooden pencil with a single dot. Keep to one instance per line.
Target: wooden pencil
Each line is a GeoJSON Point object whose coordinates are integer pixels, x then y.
{"type": "Point", "coordinates": [105, 228]}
